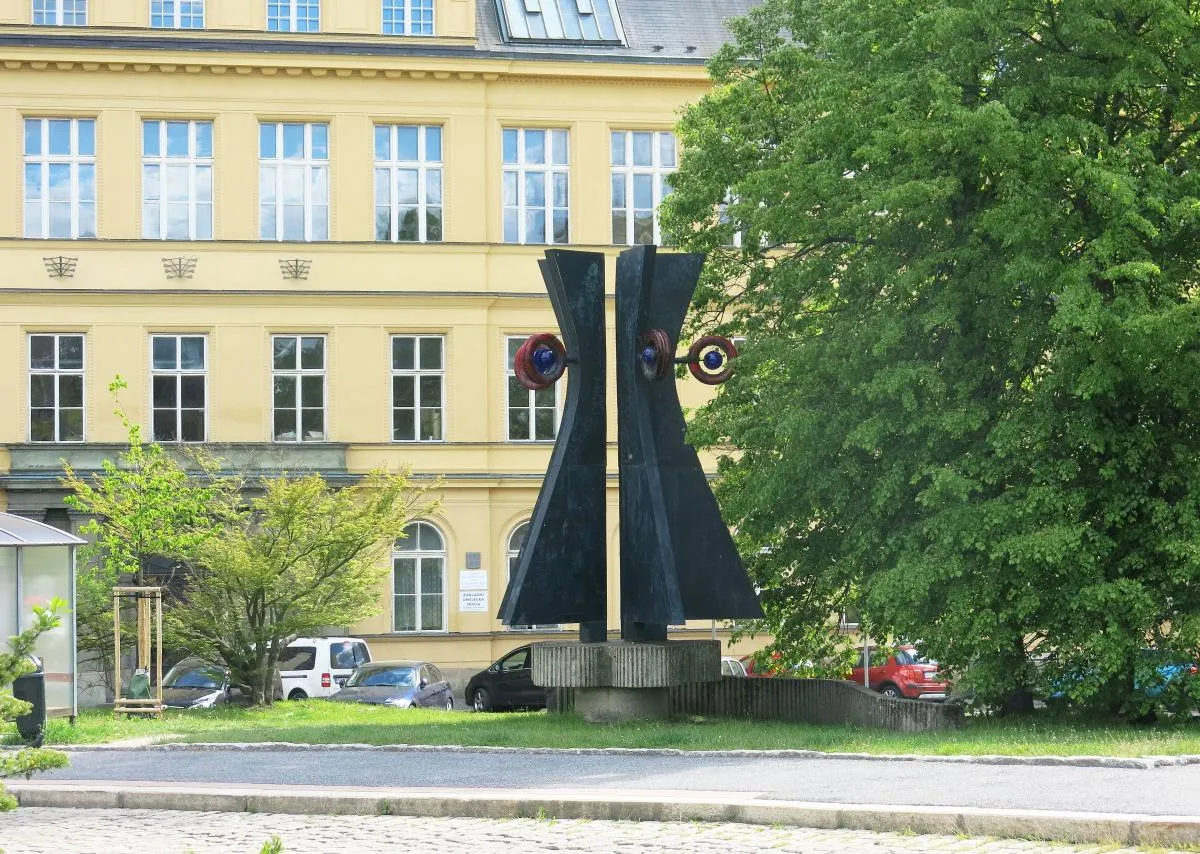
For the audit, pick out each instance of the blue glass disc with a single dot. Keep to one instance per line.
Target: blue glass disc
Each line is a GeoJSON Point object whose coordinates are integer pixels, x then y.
{"type": "Point", "coordinates": [544, 360]}
{"type": "Point", "coordinates": [713, 360]}
{"type": "Point", "coordinates": [649, 354]}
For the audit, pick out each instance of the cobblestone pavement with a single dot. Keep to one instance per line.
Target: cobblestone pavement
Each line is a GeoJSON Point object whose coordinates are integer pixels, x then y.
{"type": "Point", "coordinates": [52, 831]}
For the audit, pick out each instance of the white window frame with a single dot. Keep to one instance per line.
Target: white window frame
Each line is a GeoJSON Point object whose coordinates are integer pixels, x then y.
{"type": "Point", "coordinates": [626, 172]}
{"type": "Point", "coordinates": [194, 163]}
{"type": "Point", "coordinates": [280, 165]}
{"type": "Point", "coordinates": [57, 9]}
{"type": "Point", "coordinates": [511, 555]}
{"type": "Point", "coordinates": [45, 160]}
{"type": "Point", "coordinates": [426, 169]}
{"type": "Point", "coordinates": [406, 8]}
{"type": "Point", "coordinates": [412, 530]}
{"type": "Point", "coordinates": [417, 373]}
{"type": "Point", "coordinates": [514, 199]}
{"type": "Point", "coordinates": [531, 404]}
{"type": "Point", "coordinates": [178, 373]}
{"type": "Point", "coordinates": [177, 16]}
{"type": "Point", "coordinates": [293, 17]}
{"type": "Point", "coordinates": [300, 373]}
{"type": "Point", "coordinates": [58, 372]}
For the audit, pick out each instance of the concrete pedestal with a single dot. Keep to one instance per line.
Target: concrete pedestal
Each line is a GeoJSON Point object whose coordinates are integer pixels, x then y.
{"type": "Point", "coordinates": [625, 681]}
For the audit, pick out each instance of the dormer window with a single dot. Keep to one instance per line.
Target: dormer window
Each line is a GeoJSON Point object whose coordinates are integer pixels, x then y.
{"type": "Point", "coordinates": [571, 21]}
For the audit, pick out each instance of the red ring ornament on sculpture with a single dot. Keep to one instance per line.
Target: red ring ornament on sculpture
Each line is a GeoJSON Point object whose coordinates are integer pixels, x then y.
{"type": "Point", "coordinates": [540, 362]}
{"type": "Point", "coordinates": [710, 359]}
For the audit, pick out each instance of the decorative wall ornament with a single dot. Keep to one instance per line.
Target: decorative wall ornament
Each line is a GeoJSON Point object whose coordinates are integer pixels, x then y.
{"type": "Point", "coordinates": [179, 268]}
{"type": "Point", "coordinates": [60, 266]}
{"type": "Point", "coordinates": [295, 268]}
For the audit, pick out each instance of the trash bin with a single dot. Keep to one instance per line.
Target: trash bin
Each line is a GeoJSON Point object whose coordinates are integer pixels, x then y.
{"type": "Point", "coordinates": [32, 689]}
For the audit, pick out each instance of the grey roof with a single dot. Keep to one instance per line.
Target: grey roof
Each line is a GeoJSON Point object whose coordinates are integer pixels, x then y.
{"type": "Point", "coordinates": [17, 531]}
{"type": "Point", "coordinates": [658, 30]}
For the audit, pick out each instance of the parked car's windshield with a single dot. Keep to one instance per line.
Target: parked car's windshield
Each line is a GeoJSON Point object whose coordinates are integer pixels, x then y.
{"type": "Point", "coordinates": [910, 656]}
{"type": "Point", "coordinates": [192, 674]}
{"type": "Point", "coordinates": [400, 677]}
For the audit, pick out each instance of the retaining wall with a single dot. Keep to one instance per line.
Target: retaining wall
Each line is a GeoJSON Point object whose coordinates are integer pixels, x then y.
{"type": "Point", "coordinates": [816, 701]}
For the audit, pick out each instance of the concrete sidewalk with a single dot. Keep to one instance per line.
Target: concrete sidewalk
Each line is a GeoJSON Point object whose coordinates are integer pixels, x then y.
{"type": "Point", "coordinates": [614, 805]}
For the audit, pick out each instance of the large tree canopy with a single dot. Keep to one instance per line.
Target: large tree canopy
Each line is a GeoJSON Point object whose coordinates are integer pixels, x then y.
{"type": "Point", "coordinates": [966, 251]}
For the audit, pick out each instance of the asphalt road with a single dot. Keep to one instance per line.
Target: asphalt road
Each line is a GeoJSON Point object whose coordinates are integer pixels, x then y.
{"type": "Point", "coordinates": [1157, 791]}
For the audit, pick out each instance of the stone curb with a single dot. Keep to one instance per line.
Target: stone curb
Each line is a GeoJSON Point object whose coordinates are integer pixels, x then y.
{"type": "Point", "coordinates": [1136, 762]}
{"type": "Point", "coordinates": [1074, 827]}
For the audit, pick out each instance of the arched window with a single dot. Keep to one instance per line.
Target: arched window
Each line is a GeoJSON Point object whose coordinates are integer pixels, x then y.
{"type": "Point", "coordinates": [419, 580]}
{"type": "Point", "coordinates": [515, 540]}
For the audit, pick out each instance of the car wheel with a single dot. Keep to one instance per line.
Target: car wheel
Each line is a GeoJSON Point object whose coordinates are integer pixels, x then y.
{"type": "Point", "coordinates": [297, 694]}
{"type": "Point", "coordinates": [450, 704]}
{"type": "Point", "coordinates": [892, 691]}
{"type": "Point", "coordinates": [482, 701]}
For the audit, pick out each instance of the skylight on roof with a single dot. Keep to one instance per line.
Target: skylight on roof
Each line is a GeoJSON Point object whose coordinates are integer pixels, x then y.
{"type": "Point", "coordinates": [561, 20]}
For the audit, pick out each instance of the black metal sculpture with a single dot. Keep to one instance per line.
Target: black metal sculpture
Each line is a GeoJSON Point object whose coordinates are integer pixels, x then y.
{"type": "Point", "coordinates": [678, 561]}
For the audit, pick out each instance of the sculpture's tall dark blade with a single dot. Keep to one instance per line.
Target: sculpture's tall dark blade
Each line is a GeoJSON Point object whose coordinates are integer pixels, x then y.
{"type": "Point", "coordinates": [678, 560]}
{"type": "Point", "coordinates": [561, 572]}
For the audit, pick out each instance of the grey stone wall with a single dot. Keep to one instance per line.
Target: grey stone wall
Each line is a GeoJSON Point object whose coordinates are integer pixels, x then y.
{"type": "Point", "coordinates": [817, 701]}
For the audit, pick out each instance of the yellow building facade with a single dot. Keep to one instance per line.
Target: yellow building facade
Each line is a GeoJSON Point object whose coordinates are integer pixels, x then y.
{"type": "Point", "coordinates": [305, 233]}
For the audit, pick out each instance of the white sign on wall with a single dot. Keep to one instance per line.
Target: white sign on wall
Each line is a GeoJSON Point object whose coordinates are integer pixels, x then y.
{"type": "Point", "coordinates": [472, 600]}
{"type": "Point", "coordinates": [472, 579]}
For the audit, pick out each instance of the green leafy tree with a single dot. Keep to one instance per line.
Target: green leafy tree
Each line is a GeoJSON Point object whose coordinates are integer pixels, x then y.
{"type": "Point", "coordinates": [302, 556]}
{"type": "Point", "coordinates": [964, 253]}
{"type": "Point", "coordinates": [144, 504]}
{"type": "Point", "coordinates": [14, 664]}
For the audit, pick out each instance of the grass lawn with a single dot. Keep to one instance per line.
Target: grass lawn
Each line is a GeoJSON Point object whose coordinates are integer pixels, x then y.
{"type": "Point", "coordinates": [319, 722]}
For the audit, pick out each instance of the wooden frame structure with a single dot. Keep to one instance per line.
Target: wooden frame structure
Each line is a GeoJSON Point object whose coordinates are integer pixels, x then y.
{"type": "Point", "coordinates": [149, 611]}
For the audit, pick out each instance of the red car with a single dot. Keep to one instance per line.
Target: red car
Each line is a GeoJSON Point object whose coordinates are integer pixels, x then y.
{"type": "Point", "coordinates": [903, 674]}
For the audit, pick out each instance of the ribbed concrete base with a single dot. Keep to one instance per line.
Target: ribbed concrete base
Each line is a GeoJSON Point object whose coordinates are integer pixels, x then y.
{"type": "Point", "coordinates": [614, 705]}
{"type": "Point", "coordinates": [625, 681]}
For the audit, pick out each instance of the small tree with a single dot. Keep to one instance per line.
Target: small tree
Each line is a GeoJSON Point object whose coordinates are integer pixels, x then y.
{"type": "Point", "coordinates": [143, 505]}
{"type": "Point", "coordinates": [14, 664]}
{"type": "Point", "coordinates": [301, 557]}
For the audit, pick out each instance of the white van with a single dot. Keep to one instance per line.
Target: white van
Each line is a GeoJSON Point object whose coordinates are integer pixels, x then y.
{"type": "Point", "coordinates": [318, 667]}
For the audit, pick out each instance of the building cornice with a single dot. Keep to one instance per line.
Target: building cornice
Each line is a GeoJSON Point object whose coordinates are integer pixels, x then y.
{"type": "Point", "coordinates": [220, 54]}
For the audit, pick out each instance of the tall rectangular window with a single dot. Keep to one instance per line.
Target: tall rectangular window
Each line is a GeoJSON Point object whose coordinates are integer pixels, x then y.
{"type": "Point", "coordinates": [418, 374]}
{"type": "Point", "coordinates": [55, 388]}
{"type": "Point", "coordinates": [536, 179]}
{"type": "Point", "coordinates": [408, 17]}
{"type": "Point", "coordinates": [641, 162]}
{"type": "Point", "coordinates": [60, 13]}
{"type": "Point", "coordinates": [178, 387]}
{"type": "Point", "coordinates": [60, 178]}
{"type": "Point", "coordinates": [298, 388]}
{"type": "Point", "coordinates": [177, 180]}
{"type": "Point", "coordinates": [532, 415]}
{"type": "Point", "coordinates": [293, 177]}
{"type": "Point", "coordinates": [177, 14]}
{"type": "Point", "coordinates": [408, 182]}
{"type": "Point", "coordinates": [294, 16]}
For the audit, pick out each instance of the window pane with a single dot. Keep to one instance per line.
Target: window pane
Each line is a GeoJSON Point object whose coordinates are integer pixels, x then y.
{"type": "Point", "coordinates": [431, 613]}
{"type": "Point", "coordinates": [431, 425]}
{"type": "Point", "coordinates": [41, 425]}
{"type": "Point", "coordinates": [41, 351]}
{"type": "Point", "coordinates": [433, 223]}
{"type": "Point", "coordinates": [617, 147]}
{"type": "Point", "coordinates": [150, 132]}
{"type": "Point", "coordinates": [383, 142]}
{"type": "Point", "coordinates": [320, 142]}
{"type": "Point", "coordinates": [285, 425]}
{"type": "Point", "coordinates": [406, 142]}
{"type": "Point", "coordinates": [535, 226]}
{"type": "Point", "coordinates": [70, 390]}
{"type": "Point", "coordinates": [666, 149]}
{"type": "Point", "coordinates": [403, 427]}
{"type": "Point", "coordinates": [87, 137]}
{"type": "Point", "coordinates": [433, 187]}
{"type": "Point", "coordinates": [164, 352]}
{"type": "Point", "coordinates": [404, 391]}
{"type": "Point", "coordinates": [293, 142]}
{"type": "Point", "coordinates": [431, 354]}
{"type": "Point", "coordinates": [510, 146]}
{"type": "Point", "coordinates": [284, 392]}
{"type": "Point", "coordinates": [535, 146]}
{"type": "Point", "coordinates": [405, 615]}
{"type": "Point", "coordinates": [433, 144]}
{"type": "Point", "coordinates": [33, 136]}
{"type": "Point", "coordinates": [406, 186]}
{"type": "Point", "coordinates": [267, 141]}
{"type": "Point", "coordinates": [204, 131]}
{"type": "Point", "coordinates": [430, 541]}
{"type": "Point", "coordinates": [560, 150]}
{"type": "Point", "coordinates": [70, 425]}
{"type": "Point", "coordinates": [518, 423]}
{"type": "Point", "coordinates": [544, 424]}
{"type": "Point", "coordinates": [70, 352]}
{"type": "Point", "coordinates": [403, 349]}
{"type": "Point", "coordinates": [191, 393]}
{"type": "Point", "coordinates": [312, 353]}
{"type": "Point", "coordinates": [165, 392]}
{"type": "Point", "coordinates": [312, 425]}
{"type": "Point", "coordinates": [41, 390]}
{"type": "Point", "coordinates": [192, 425]}
{"type": "Point", "coordinates": [60, 136]}
{"type": "Point", "coordinates": [312, 391]}
{"type": "Point", "coordinates": [431, 391]}
{"type": "Point", "coordinates": [165, 426]}
{"type": "Point", "coordinates": [191, 353]}
{"type": "Point", "coordinates": [177, 139]}
{"type": "Point", "coordinates": [643, 191]}
{"type": "Point", "coordinates": [643, 149]}
{"type": "Point", "coordinates": [404, 573]}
